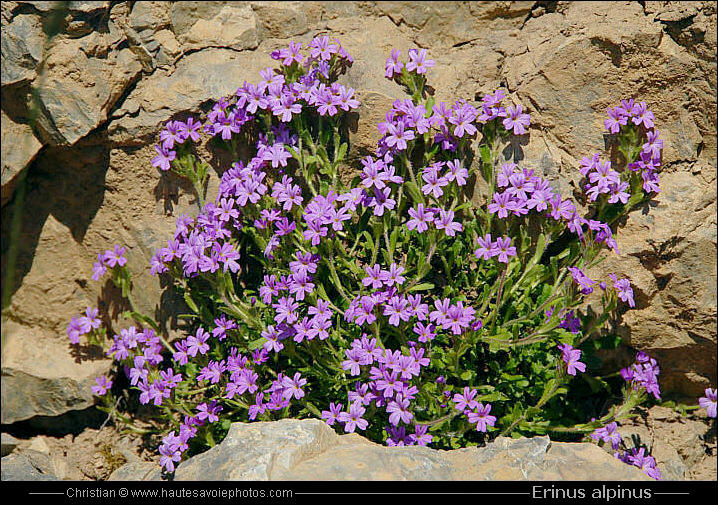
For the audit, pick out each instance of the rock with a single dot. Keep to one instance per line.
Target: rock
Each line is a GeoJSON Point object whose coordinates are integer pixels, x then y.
{"type": "Point", "coordinates": [19, 147]}
{"type": "Point", "coordinates": [22, 46]}
{"type": "Point", "coordinates": [675, 441]}
{"type": "Point", "coordinates": [30, 465]}
{"type": "Point", "coordinates": [453, 23]}
{"type": "Point", "coordinates": [169, 48]}
{"type": "Point", "coordinates": [41, 378]}
{"type": "Point", "coordinates": [138, 470]}
{"type": "Point", "coordinates": [198, 78]}
{"type": "Point", "coordinates": [85, 7]}
{"type": "Point", "coordinates": [215, 24]}
{"type": "Point", "coordinates": [308, 449]}
{"type": "Point", "coordinates": [286, 19]}
{"type": "Point", "coordinates": [71, 111]}
{"type": "Point", "coordinates": [149, 15]}
{"type": "Point", "coordinates": [39, 444]}
{"type": "Point", "coordinates": [566, 62]}
{"type": "Point", "coordinates": [9, 443]}
{"type": "Point", "coordinates": [148, 31]}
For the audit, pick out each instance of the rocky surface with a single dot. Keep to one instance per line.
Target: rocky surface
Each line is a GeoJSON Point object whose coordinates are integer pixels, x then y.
{"type": "Point", "coordinates": [91, 455]}
{"type": "Point", "coordinates": [291, 449]}
{"type": "Point", "coordinates": [118, 71]}
{"type": "Point", "coordinates": [31, 465]}
{"type": "Point", "coordinates": [683, 449]}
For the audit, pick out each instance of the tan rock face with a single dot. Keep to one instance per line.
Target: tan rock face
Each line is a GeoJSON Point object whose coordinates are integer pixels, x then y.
{"type": "Point", "coordinates": [291, 449]}
{"type": "Point", "coordinates": [108, 93]}
{"type": "Point", "coordinates": [19, 147]}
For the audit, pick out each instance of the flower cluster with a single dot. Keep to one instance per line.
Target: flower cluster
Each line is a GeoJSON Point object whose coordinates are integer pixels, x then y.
{"type": "Point", "coordinates": [501, 247]}
{"type": "Point", "coordinates": [608, 434]}
{"type": "Point", "coordinates": [638, 457]}
{"type": "Point", "coordinates": [643, 374]}
{"type": "Point", "coordinates": [111, 258]}
{"type": "Point", "coordinates": [83, 324]}
{"type": "Point", "coordinates": [476, 412]}
{"type": "Point", "coordinates": [360, 301]}
{"type": "Point", "coordinates": [525, 192]}
{"type": "Point", "coordinates": [641, 118]}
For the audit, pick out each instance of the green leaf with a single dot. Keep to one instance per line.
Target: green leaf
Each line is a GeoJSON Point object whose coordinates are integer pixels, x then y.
{"type": "Point", "coordinates": [256, 344]}
{"type": "Point", "coordinates": [424, 286]}
{"type": "Point", "coordinates": [392, 240]}
{"type": "Point", "coordinates": [342, 152]}
{"type": "Point", "coordinates": [292, 151]}
{"type": "Point", "coordinates": [485, 154]}
{"type": "Point", "coordinates": [414, 192]}
{"type": "Point", "coordinates": [190, 302]}
{"type": "Point", "coordinates": [131, 314]}
{"type": "Point", "coordinates": [429, 105]}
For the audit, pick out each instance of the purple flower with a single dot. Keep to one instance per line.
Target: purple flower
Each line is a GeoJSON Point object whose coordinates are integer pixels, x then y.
{"type": "Point", "coordinates": [646, 463]}
{"type": "Point", "coordinates": [643, 115]}
{"type": "Point", "coordinates": [209, 411]}
{"type": "Point", "coordinates": [582, 280]}
{"type": "Point", "coordinates": [500, 204]}
{"type": "Point", "coordinates": [375, 277]}
{"type": "Point", "coordinates": [74, 331]}
{"type": "Point", "coordinates": [104, 384]}
{"type": "Point", "coordinates": [708, 402]}
{"type": "Point", "coordinates": [462, 118]}
{"type": "Point", "coordinates": [487, 249]}
{"type": "Point", "coordinates": [293, 387]}
{"type": "Point", "coordinates": [277, 154]}
{"type": "Point", "coordinates": [417, 61]}
{"type": "Point", "coordinates": [116, 257]}
{"type": "Point", "coordinates": [571, 356]}
{"type": "Point", "coordinates": [398, 136]}
{"type": "Point", "coordinates": [398, 410]}
{"type": "Point", "coordinates": [89, 321]}
{"type": "Point", "coordinates": [393, 65]}
{"type": "Point", "coordinates": [332, 415]}
{"type": "Point", "coordinates": [504, 249]}
{"type": "Point", "coordinates": [608, 433]}
{"type": "Point", "coordinates": [164, 158]}
{"type": "Point", "coordinates": [480, 416]}
{"type": "Point", "coordinates": [353, 419]}
{"type": "Point", "coordinates": [169, 453]}
{"type": "Point", "coordinates": [623, 287]}
{"type": "Point", "coordinates": [466, 400]}
{"type": "Point", "coordinates": [516, 120]}
{"type": "Point", "coordinates": [197, 343]}
{"type": "Point", "coordinates": [99, 268]}
{"type": "Point", "coordinates": [615, 120]}
{"type": "Point", "coordinates": [420, 436]}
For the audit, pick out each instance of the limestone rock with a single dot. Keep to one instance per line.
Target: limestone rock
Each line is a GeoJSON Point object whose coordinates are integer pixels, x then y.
{"type": "Point", "coordinates": [198, 78]}
{"type": "Point", "coordinates": [286, 19]}
{"type": "Point", "coordinates": [77, 6]}
{"type": "Point", "coordinates": [41, 378]}
{"type": "Point", "coordinates": [22, 46]}
{"type": "Point", "coordinates": [78, 89]}
{"type": "Point", "coordinates": [8, 443]}
{"type": "Point", "coordinates": [215, 24]}
{"type": "Point", "coordinates": [19, 147]}
{"type": "Point", "coordinates": [308, 449]}
{"type": "Point", "coordinates": [30, 465]}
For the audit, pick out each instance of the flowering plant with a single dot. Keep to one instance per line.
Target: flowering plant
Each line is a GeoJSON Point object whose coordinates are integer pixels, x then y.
{"type": "Point", "coordinates": [435, 297]}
